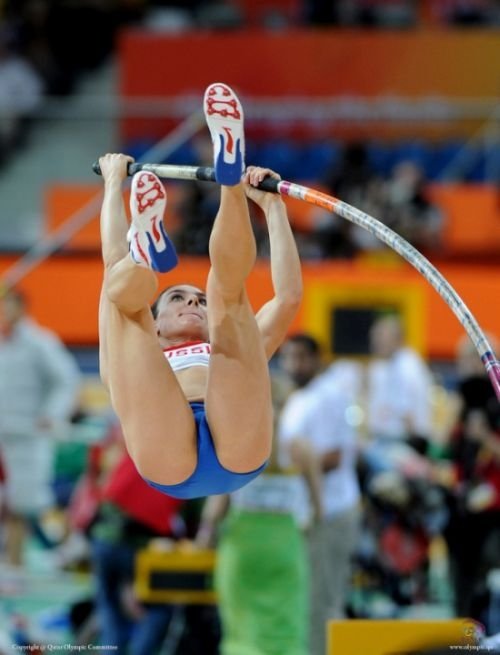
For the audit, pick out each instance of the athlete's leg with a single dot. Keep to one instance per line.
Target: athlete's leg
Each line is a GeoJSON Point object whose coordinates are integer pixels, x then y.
{"type": "Point", "coordinates": [238, 404]}
{"type": "Point", "coordinates": [156, 419]}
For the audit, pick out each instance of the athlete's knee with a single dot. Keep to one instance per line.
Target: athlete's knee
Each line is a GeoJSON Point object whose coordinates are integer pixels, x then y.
{"type": "Point", "coordinates": [244, 462]}
{"type": "Point", "coordinates": [154, 468]}
{"type": "Point", "coordinates": [227, 293]}
{"type": "Point", "coordinates": [247, 453]}
{"type": "Point", "coordinates": [130, 288]}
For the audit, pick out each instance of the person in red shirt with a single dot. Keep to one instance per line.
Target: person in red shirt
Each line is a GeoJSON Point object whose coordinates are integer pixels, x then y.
{"type": "Point", "coordinates": [118, 514]}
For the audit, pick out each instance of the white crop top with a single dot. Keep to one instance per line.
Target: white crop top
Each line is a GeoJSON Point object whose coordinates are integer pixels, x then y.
{"type": "Point", "coordinates": [185, 355]}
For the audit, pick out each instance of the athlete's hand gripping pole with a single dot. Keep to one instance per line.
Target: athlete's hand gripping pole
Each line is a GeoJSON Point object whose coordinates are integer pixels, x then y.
{"type": "Point", "coordinates": [202, 173]}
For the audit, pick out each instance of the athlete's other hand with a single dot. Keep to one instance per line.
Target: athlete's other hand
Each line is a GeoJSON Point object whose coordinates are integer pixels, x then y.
{"type": "Point", "coordinates": [251, 178]}
{"type": "Point", "coordinates": [114, 166]}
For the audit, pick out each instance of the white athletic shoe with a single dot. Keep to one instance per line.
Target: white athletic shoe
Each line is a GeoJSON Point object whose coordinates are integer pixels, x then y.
{"type": "Point", "coordinates": [149, 242]}
{"type": "Point", "coordinates": [224, 116]}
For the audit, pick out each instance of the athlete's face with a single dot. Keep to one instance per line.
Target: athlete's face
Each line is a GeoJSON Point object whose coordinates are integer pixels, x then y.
{"type": "Point", "coordinates": [182, 313]}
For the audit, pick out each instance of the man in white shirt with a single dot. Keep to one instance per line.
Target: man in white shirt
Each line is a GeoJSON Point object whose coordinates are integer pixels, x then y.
{"type": "Point", "coordinates": [398, 402]}
{"type": "Point", "coordinates": [318, 411]}
{"type": "Point", "coordinates": [39, 391]}
{"type": "Point", "coordinates": [399, 384]}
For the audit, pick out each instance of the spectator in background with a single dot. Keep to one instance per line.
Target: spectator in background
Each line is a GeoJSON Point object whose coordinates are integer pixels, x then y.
{"type": "Point", "coordinates": [354, 181]}
{"type": "Point", "coordinates": [52, 36]}
{"type": "Point", "coordinates": [39, 391]}
{"type": "Point", "coordinates": [262, 573]}
{"type": "Point", "coordinates": [198, 206]}
{"type": "Point", "coordinates": [400, 202]}
{"type": "Point", "coordinates": [2, 497]}
{"type": "Point", "coordinates": [28, 22]}
{"type": "Point", "coordinates": [362, 13]}
{"type": "Point", "coordinates": [113, 514]}
{"type": "Point", "coordinates": [409, 211]}
{"type": "Point", "coordinates": [398, 398]}
{"type": "Point", "coordinates": [393, 394]}
{"type": "Point", "coordinates": [466, 13]}
{"type": "Point", "coordinates": [320, 12]}
{"type": "Point", "coordinates": [130, 514]}
{"type": "Point", "coordinates": [21, 92]}
{"type": "Point", "coordinates": [317, 412]}
{"type": "Point", "coordinates": [473, 533]}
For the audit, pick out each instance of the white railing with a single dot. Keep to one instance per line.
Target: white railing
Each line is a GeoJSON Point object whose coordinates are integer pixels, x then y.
{"type": "Point", "coordinates": [296, 108]}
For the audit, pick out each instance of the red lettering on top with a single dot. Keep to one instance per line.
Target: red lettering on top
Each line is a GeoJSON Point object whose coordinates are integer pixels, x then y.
{"type": "Point", "coordinates": [185, 352]}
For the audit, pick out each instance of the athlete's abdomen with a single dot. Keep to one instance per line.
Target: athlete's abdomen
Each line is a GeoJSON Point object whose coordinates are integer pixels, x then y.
{"type": "Point", "coordinates": [193, 382]}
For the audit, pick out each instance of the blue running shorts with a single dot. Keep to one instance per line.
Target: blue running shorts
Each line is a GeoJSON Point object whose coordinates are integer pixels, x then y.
{"type": "Point", "coordinates": [209, 477]}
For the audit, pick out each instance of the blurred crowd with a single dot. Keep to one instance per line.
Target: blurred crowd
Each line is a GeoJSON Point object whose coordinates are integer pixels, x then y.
{"type": "Point", "coordinates": [400, 199]}
{"type": "Point", "coordinates": [403, 13]}
{"type": "Point", "coordinates": [382, 496]}
{"type": "Point", "coordinates": [45, 50]}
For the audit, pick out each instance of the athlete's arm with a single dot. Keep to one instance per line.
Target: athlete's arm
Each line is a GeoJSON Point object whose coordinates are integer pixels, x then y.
{"type": "Point", "coordinates": [114, 173]}
{"type": "Point", "coordinates": [276, 316]}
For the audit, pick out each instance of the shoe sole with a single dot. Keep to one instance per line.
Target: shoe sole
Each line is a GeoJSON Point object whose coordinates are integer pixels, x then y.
{"type": "Point", "coordinates": [224, 116]}
{"type": "Point", "coordinates": [148, 201]}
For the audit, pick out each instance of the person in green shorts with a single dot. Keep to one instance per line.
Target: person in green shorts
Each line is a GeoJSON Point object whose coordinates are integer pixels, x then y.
{"type": "Point", "coordinates": [261, 575]}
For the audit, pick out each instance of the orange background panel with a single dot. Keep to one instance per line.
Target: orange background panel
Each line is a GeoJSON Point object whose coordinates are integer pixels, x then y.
{"type": "Point", "coordinates": [64, 293]}
{"type": "Point", "coordinates": [64, 201]}
{"type": "Point", "coordinates": [472, 217]}
{"type": "Point", "coordinates": [314, 62]}
{"type": "Point", "coordinates": [471, 212]}
{"type": "Point", "coordinates": [309, 63]}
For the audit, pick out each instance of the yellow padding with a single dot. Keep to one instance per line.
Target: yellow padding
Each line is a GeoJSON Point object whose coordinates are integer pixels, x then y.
{"type": "Point", "coordinates": [390, 637]}
{"type": "Point", "coordinates": [176, 576]}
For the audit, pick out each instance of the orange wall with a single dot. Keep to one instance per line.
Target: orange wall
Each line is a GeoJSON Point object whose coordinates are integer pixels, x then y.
{"type": "Point", "coordinates": [64, 293]}
{"type": "Point", "coordinates": [472, 218]}
{"type": "Point", "coordinates": [452, 64]}
{"type": "Point", "coordinates": [471, 211]}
